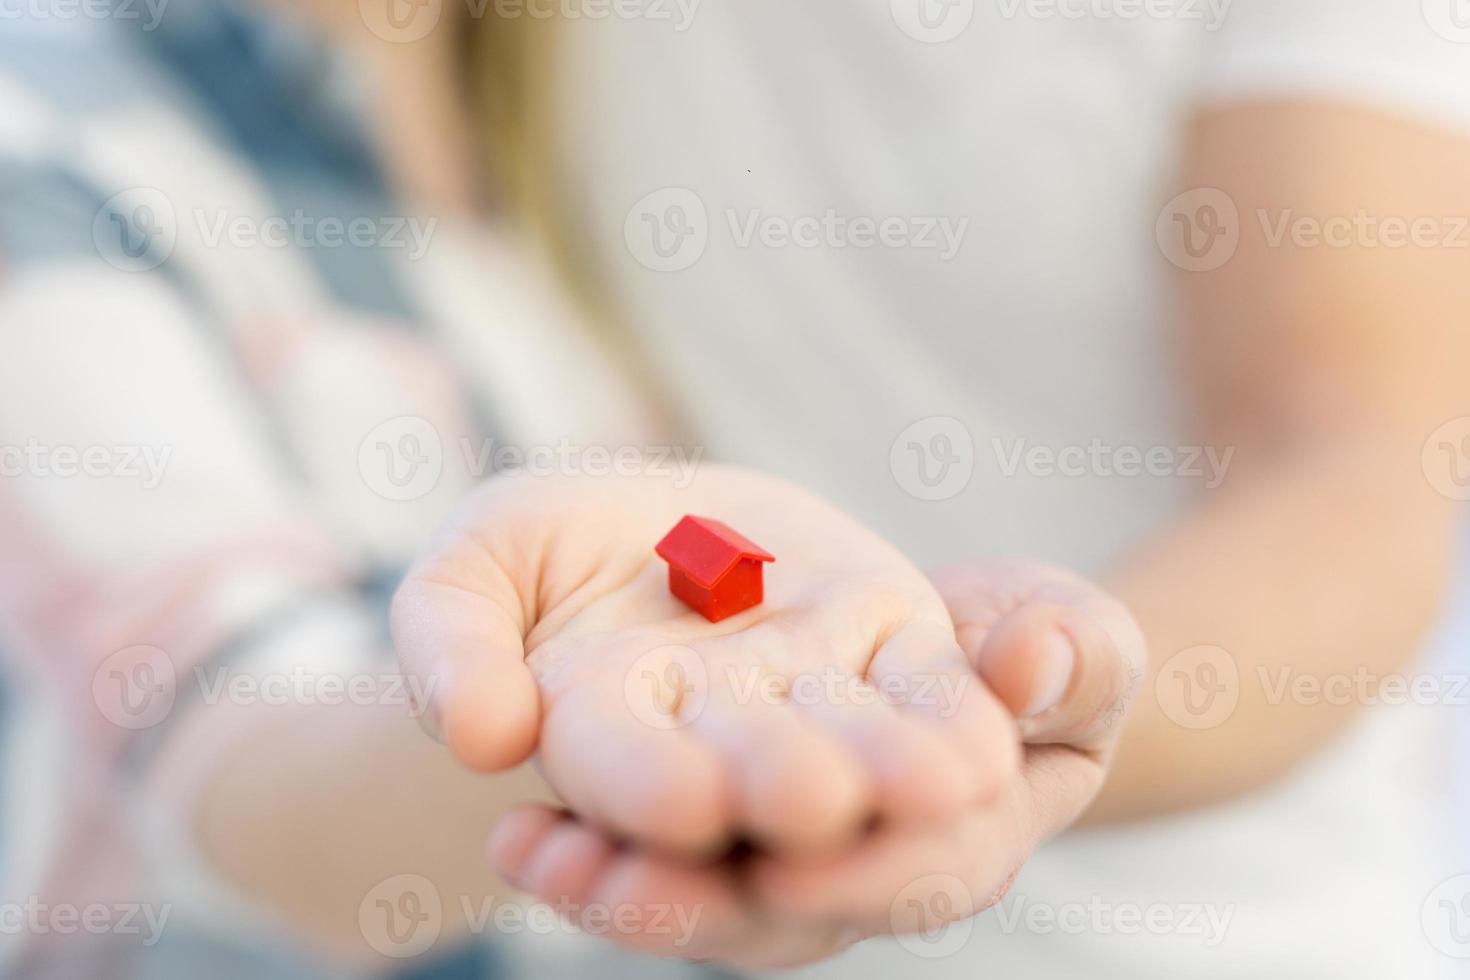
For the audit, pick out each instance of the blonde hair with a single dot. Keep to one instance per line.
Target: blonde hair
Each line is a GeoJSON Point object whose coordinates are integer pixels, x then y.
{"type": "Point", "coordinates": [511, 70]}
{"type": "Point", "coordinates": [511, 65]}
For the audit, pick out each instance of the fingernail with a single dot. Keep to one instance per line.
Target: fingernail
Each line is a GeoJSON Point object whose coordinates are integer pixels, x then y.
{"type": "Point", "coordinates": [1053, 673]}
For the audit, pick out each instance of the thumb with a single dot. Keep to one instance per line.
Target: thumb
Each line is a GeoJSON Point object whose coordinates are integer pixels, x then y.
{"type": "Point", "coordinates": [1061, 653]}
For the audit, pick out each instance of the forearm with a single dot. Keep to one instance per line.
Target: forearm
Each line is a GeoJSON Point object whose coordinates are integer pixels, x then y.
{"type": "Point", "coordinates": [322, 804]}
{"type": "Point", "coordinates": [1326, 564]}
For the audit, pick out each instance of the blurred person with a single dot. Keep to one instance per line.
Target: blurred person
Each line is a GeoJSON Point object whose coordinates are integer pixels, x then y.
{"type": "Point", "coordinates": [271, 372]}
{"type": "Point", "coordinates": [231, 256]}
{"type": "Point", "coordinates": [710, 176]}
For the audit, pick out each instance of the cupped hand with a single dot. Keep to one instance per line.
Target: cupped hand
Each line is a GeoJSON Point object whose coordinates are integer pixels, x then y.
{"type": "Point", "coordinates": [542, 622]}
{"type": "Point", "coordinates": [1065, 658]}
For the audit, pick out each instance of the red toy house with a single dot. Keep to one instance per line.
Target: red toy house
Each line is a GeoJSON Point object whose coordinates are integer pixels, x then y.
{"type": "Point", "coordinates": [712, 568]}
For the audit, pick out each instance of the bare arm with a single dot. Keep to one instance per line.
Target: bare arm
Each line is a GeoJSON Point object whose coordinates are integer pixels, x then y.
{"type": "Point", "coordinates": [1327, 368]}
{"type": "Point", "coordinates": [321, 807]}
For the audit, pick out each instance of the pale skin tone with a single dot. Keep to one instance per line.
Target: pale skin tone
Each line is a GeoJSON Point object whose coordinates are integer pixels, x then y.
{"type": "Point", "coordinates": [545, 612]}
{"type": "Point", "coordinates": [1326, 550]}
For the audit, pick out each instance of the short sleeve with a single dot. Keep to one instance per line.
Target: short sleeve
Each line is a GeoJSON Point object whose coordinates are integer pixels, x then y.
{"type": "Point", "coordinates": [1410, 56]}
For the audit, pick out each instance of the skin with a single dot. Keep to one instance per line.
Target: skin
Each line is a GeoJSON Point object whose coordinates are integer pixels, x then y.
{"type": "Point", "coordinates": [1329, 548]}
{"type": "Point", "coordinates": [1329, 391]}
{"type": "Point", "coordinates": [1326, 550]}
{"type": "Point", "coordinates": [795, 898]}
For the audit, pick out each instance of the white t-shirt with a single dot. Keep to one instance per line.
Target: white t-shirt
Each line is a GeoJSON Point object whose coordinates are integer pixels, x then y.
{"type": "Point", "coordinates": [906, 252]}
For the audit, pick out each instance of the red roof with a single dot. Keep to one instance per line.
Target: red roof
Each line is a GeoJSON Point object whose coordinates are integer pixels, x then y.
{"type": "Point", "coordinates": [706, 549]}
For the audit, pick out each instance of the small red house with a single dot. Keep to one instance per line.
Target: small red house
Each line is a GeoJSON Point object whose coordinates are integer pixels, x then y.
{"type": "Point", "coordinates": [712, 568]}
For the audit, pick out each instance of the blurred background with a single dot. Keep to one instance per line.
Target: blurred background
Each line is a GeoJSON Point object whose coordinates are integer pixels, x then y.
{"type": "Point", "coordinates": [281, 282]}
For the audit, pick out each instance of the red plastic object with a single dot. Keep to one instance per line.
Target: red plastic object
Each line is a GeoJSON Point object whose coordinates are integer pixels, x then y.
{"type": "Point", "coordinates": [713, 569]}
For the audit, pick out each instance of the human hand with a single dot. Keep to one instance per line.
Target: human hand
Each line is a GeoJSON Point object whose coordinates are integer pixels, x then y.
{"type": "Point", "coordinates": [542, 621]}
{"type": "Point", "coordinates": [1064, 657]}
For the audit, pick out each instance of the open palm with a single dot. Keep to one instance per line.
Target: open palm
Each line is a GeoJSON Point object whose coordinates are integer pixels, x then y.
{"type": "Point", "coordinates": [542, 621]}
